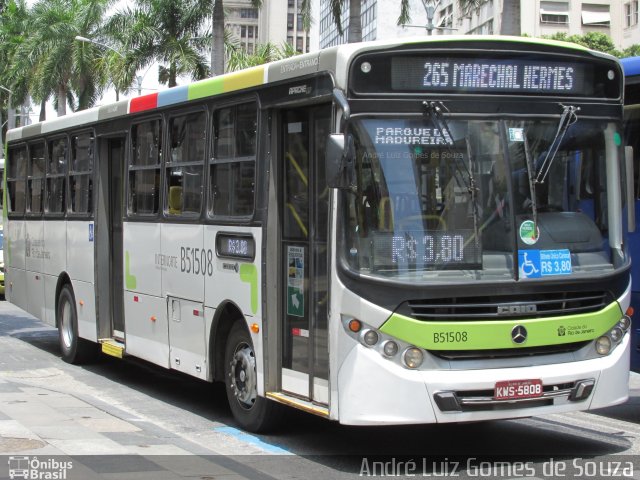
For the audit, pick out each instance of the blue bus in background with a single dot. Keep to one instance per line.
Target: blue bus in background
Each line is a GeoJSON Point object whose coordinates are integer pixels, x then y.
{"type": "Point", "coordinates": [631, 68]}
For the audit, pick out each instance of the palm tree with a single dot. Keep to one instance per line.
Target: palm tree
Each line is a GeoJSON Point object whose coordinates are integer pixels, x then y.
{"type": "Point", "coordinates": [218, 42]}
{"type": "Point", "coordinates": [238, 58]}
{"type": "Point", "coordinates": [169, 32]}
{"type": "Point", "coordinates": [50, 58]}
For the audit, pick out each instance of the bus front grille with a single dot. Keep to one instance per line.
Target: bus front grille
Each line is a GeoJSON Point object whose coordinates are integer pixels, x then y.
{"type": "Point", "coordinates": [508, 352]}
{"type": "Point", "coordinates": [506, 307]}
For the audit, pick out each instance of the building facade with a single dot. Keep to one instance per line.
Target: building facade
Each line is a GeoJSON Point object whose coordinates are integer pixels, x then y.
{"type": "Point", "coordinates": [251, 26]}
{"type": "Point", "coordinates": [616, 18]}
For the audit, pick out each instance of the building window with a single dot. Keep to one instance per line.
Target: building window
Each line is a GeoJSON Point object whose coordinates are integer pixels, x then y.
{"type": "Point", "coordinates": [81, 173]}
{"type": "Point", "coordinates": [185, 164]}
{"type": "Point", "coordinates": [555, 13]}
{"type": "Point", "coordinates": [631, 13]}
{"type": "Point", "coordinates": [596, 15]}
{"type": "Point", "coordinates": [232, 167]}
{"type": "Point", "coordinates": [290, 18]}
{"type": "Point", "coordinates": [144, 170]}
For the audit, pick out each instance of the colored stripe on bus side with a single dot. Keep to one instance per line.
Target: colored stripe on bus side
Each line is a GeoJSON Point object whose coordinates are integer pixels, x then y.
{"type": "Point", "coordinates": [146, 102]}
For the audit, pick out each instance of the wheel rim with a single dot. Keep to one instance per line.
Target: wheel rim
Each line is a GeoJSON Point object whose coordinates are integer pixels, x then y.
{"type": "Point", "coordinates": [66, 327]}
{"type": "Point", "coordinates": [243, 376]}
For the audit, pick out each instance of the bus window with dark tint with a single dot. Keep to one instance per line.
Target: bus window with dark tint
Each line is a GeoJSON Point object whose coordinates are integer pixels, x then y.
{"type": "Point", "coordinates": [81, 173]}
{"type": "Point", "coordinates": [56, 170]}
{"type": "Point", "coordinates": [233, 166]}
{"type": "Point", "coordinates": [144, 170]}
{"type": "Point", "coordinates": [35, 177]}
{"type": "Point", "coordinates": [185, 164]}
{"type": "Point", "coordinates": [16, 183]}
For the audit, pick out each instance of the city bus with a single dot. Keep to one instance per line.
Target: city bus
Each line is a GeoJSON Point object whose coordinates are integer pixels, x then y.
{"type": "Point", "coordinates": [404, 232]}
{"type": "Point", "coordinates": [631, 67]}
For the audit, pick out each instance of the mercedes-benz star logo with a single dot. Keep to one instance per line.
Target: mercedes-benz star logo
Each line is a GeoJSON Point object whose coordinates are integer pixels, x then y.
{"type": "Point", "coordinates": [519, 334]}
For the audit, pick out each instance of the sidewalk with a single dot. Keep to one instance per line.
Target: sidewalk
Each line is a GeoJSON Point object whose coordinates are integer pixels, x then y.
{"type": "Point", "coordinates": [50, 429]}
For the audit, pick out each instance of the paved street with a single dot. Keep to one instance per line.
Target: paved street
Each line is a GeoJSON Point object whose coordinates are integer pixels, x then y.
{"type": "Point", "coordinates": [128, 419]}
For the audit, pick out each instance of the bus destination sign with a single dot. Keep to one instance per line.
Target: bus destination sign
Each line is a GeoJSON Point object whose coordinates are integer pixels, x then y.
{"type": "Point", "coordinates": [516, 76]}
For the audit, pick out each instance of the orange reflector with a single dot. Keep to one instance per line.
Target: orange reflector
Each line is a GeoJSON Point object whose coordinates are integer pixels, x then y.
{"type": "Point", "coordinates": [630, 311]}
{"type": "Point", "coordinates": [135, 298]}
{"type": "Point", "coordinates": [255, 328]}
{"type": "Point", "coordinates": [154, 318]}
{"type": "Point", "coordinates": [196, 313]}
{"type": "Point", "coordinates": [355, 325]}
{"type": "Point", "coordinates": [81, 302]}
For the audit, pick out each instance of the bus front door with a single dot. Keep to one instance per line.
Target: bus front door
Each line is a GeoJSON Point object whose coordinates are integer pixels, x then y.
{"type": "Point", "coordinates": [305, 213]}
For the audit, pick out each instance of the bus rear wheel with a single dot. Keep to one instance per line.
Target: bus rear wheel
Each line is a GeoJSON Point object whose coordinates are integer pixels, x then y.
{"type": "Point", "coordinates": [252, 412]}
{"type": "Point", "coordinates": [74, 349]}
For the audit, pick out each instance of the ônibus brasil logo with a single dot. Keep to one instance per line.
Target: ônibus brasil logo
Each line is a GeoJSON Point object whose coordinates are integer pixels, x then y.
{"type": "Point", "coordinates": [36, 469]}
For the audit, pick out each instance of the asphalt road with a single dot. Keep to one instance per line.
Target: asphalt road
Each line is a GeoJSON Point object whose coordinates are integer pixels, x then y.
{"type": "Point", "coordinates": [182, 414]}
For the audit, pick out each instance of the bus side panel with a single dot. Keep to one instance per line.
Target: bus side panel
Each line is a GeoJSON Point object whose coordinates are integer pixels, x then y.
{"type": "Point", "coordinates": [238, 281]}
{"type": "Point", "coordinates": [15, 290]}
{"type": "Point", "coordinates": [86, 309]}
{"type": "Point", "coordinates": [34, 251]}
{"type": "Point", "coordinates": [80, 259]}
{"type": "Point", "coordinates": [15, 234]}
{"type": "Point", "coordinates": [34, 281]}
{"type": "Point", "coordinates": [184, 262]}
{"type": "Point", "coordinates": [141, 249]}
{"type": "Point", "coordinates": [55, 239]}
{"type": "Point", "coordinates": [147, 333]}
{"type": "Point", "coordinates": [235, 279]}
{"type": "Point", "coordinates": [50, 284]}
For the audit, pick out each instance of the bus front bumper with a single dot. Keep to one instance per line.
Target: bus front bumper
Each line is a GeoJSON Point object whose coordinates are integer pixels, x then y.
{"type": "Point", "coordinates": [375, 391]}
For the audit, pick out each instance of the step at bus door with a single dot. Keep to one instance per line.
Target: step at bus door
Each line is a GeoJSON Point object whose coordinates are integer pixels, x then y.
{"type": "Point", "coordinates": [108, 238]}
{"type": "Point", "coordinates": [304, 211]}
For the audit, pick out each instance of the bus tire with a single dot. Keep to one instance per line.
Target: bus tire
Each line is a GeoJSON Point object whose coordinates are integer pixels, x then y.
{"type": "Point", "coordinates": [252, 412]}
{"type": "Point", "coordinates": [74, 349]}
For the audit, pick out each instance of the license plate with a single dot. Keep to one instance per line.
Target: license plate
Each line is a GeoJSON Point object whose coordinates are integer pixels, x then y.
{"type": "Point", "coordinates": [517, 389]}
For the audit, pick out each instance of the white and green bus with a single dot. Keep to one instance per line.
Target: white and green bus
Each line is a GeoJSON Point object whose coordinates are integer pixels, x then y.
{"type": "Point", "coordinates": [381, 233]}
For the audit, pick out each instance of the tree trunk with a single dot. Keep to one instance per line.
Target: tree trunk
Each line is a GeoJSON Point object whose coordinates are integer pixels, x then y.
{"type": "Point", "coordinates": [62, 100]}
{"type": "Point", "coordinates": [217, 45]}
{"type": "Point", "coordinates": [510, 21]}
{"type": "Point", "coordinates": [43, 110]}
{"type": "Point", "coordinates": [355, 21]}
{"type": "Point", "coordinates": [172, 75]}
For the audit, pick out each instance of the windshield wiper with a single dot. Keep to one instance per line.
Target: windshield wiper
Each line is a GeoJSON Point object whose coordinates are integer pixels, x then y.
{"type": "Point", "coordinates": [434, 109]}
{"type": "Point", "coordinates": [567, 119]}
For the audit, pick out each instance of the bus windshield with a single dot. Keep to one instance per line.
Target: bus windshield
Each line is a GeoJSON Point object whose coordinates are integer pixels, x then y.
{"type": "Point", "coordinates": [465, 199]}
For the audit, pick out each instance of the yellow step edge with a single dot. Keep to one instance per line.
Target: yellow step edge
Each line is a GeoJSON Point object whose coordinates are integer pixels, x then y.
{"type": "Point", "coordinates": [112, 347]}
{"type": "Point", "coordinates": [299, 404]}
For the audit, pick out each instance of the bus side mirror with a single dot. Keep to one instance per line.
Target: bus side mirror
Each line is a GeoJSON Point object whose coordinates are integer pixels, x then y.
{"type": "Point", "coordinates": [631, 201]}
{"type": "Point", "coordinates": [339, 157]}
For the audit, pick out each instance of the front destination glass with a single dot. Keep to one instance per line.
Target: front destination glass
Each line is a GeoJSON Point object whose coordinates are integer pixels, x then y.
{"type": "Point", "coordinates": [479, 199]}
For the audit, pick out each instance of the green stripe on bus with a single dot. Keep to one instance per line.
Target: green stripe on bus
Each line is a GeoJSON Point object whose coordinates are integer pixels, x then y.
{"type": "Point", "coordinates": [205, 88]}
{"type": "Point", "coordinates": [130, 281]}
{"type": "Point", "coordinates": [249, 274]}
{"type": "Point", "coordinates": [496, 334]}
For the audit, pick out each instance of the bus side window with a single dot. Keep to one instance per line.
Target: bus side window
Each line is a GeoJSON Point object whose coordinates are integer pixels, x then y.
{"type": "Point", "coordinates": [81, 173]}
{"type": "Point", "coordinates": [16, 180]}
{"type": "Point", "coordinates": [185, 164]}
{"type": "Point", "coordinates": [144, 169]}
{"type": "Point", "coordinates": [56, 170]}
{"type": "Point", "coordinates": [35, 177]}
{"type": "Point", "coordinates": [233, 164]}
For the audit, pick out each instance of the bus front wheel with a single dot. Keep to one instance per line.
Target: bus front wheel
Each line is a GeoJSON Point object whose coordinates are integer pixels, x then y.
{"type": "Point", "coordinates": [74, 349]}
{"type": "Point", "coordinates": [252, 412]}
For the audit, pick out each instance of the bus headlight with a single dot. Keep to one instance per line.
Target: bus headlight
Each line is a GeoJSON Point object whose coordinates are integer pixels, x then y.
{"type": "Point", "coordinates": [413, 357]}
{"type": "Point", "coordinates": [390, 348]}
{"type": "Point", "coordinates": [370, 338]}
{"type": "Point", "coordinates": [603, 345]}
{"type": "Point", "coordinates": [625, 323]}
{"type": "Point", "coordinates": [616, 334]}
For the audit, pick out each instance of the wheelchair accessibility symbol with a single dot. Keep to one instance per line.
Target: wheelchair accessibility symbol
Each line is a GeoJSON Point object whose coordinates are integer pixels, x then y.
{"type": "Point", "coordinates": [529, 264]}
